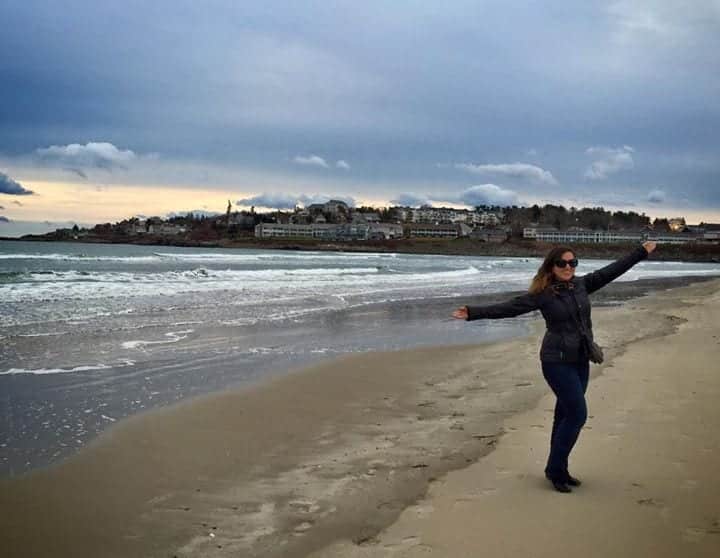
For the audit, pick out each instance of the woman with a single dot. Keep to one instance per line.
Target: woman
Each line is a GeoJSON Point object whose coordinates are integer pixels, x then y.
{"type": "Point", "coordinates": [562, 298]}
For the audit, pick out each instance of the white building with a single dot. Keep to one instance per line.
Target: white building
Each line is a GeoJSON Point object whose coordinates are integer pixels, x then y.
{"type": "Point", "coordinates": [431, 230]}
{"type": "Point", "coordinates": [346, 231]}
{"type": "Point", "coordinates": [552, 234]}
{"type": "Point", "coordinates": [336, 206]}
{"type": "Point", "coordinates": [386, 230]}
{"type": "Point", "coordinates": [168, 229]}
{"type": "Point", "coordinates": [290, 230]}
{"type": "Point", "coordinates": [711, 232]}
{"type": "Point", "coordinates": [488, 219]}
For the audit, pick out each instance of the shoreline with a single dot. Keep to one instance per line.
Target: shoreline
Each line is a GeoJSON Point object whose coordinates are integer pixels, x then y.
{"type": "Point", "coordinates": [334, 451]}
{"type": "Point", "coordinates": [32, 445]}
{"type": "Point", "coordinates": [699, 253]}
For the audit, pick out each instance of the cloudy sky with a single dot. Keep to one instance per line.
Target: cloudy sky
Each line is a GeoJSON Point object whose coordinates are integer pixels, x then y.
{"type": "Point", "coordinates": [108, 110]}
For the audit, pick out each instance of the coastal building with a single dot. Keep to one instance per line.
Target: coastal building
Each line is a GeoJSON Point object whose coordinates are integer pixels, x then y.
{"type": "Point", "coordinates": [711, 232]}
{"type": "Point", "coordinates": [366, 217]}
{"type": "Point", "coordinates": [242, 219]}
{"type": "Point", "coordinates": [169, 229]}
{"type": "Point", "coordinates": [578, 234]}
{"type": "Point", "coordinates": [445, 215]}
{"type": "Point", "coordinates": [155, 225]}
{"type": "Point", "coordinates": [486, 219]}
{"type": "Point", "coordinates": [438, 215]}
{"type": "Point", "coordinates": [293, 230]}
{"type": "Point", "coordinates": [429, 230]}
{"type": "Point", "coordinates": [673, 238]}
{"type": "Point", "coordinates": [533, 231]}
{"type": "Point", "coordinates": [490, 234]}
{"type": "Point", "coordinates": [301, 216]}
{"type": "Point", "coordinates": [335, 207]}
{"type": "Point", "coordinates": [402, 214]}
{"type": "Point", "coordinates": [327, 231]}
{"type": "Point", "coordinates": [385, 231]}
{"type": "Point", "coordinates": [350, 231]}
{"type": "Point", "coordinates": [137, 227]}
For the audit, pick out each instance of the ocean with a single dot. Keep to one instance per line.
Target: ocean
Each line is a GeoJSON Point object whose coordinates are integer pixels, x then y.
{"type": "Point", "coordinates": [93, 333]}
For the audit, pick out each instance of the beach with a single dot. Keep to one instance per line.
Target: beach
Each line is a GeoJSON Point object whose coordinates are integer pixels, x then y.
{"type": "Point", "coordinates": [432, 450]}
{"type": "Point", "coordinates": [649, 456]}
{"type": "Point", "coordinates": [92, 337]}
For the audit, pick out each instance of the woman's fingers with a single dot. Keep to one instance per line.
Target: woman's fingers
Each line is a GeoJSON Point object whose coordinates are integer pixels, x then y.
{"type": "Point", "coordinates": [460, 313]}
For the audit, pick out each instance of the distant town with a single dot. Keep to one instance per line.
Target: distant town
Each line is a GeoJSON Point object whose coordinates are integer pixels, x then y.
{"type": "Point", "coordinates": [336, 220]}
{"type": "Point", "coordinates": [335, 224]}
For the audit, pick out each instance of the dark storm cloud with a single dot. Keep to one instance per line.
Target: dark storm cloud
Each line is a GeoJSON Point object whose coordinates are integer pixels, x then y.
{"type": "Point", "coordinates": [12, 187]}
{"type": "Point", "coordinates": [390, 87]}
{"type": "Point", "coordinates": [656, 196]}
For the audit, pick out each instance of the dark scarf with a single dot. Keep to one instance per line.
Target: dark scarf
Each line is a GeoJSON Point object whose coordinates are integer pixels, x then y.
{"type": "Point", "coordinates": [558, 286]}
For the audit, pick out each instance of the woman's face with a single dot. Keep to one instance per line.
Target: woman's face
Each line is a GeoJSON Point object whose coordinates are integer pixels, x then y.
{"type": "Point", "coordinates": [564, 273]}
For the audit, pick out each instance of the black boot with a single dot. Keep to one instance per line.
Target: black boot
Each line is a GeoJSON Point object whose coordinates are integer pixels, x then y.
{"type": "Point", "coordinates": [572, 481]}
{"type": "Point", "coordinates": [560, 484]}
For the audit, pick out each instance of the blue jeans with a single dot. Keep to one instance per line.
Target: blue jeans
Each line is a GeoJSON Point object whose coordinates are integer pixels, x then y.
{"type": "Point", "coordinates": [568, 381]}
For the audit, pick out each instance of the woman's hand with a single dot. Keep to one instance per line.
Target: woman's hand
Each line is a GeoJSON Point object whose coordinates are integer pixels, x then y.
{"type": "Point", "coordinates": [461, 313]}
{"type": "Point", "coordinates": [649, 245]}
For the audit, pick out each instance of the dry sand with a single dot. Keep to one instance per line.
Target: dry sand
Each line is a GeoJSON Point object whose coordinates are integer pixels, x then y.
{"type": "Point", "coordinates": [380, 455]}
{"type": "Point", "coordinates": [649, 457]}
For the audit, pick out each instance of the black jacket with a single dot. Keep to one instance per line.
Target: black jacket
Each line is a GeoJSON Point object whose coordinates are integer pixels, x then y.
{"type": "Point", "coordinates": [561, 342]}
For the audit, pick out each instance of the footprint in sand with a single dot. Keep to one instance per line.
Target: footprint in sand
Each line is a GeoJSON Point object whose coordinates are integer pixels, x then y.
{"type": "Point", "coordinates": [411, 542]}
{"type": "Point", "coordinates": [304, 506]}
{"type": "Point", "coordinates": [476, 388]}
{"type": "Point", "coordinates": [422, 510]}
{"type": "Point", "coordinates": [463, 502]}
{"type": "Point", "coordinates": [651, 502]}
{"type": "Point", "coordinates": [693, 534]}
{"type": "Point", "coordinates": [488, 491]}
{"type": "Point", "coordinates": [302, 527]}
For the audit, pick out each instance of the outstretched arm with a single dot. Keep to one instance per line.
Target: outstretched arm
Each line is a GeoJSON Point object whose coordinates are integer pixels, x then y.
{"type": "Point", "coordinates": [601, 277]}
{"type": "Point", "coordinates": [521, 304]}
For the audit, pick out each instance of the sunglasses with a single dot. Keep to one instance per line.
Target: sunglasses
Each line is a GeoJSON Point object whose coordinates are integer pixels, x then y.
{"type": "Point", "coordinates": [562, 263]}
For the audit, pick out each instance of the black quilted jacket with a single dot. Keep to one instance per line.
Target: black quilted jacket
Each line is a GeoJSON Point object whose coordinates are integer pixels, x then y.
{"type": "Point", "coordinates": [562, 342]}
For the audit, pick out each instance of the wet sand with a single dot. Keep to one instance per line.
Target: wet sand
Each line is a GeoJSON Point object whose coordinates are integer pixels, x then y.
{"type": "Point", "coordinates": [337, 458]}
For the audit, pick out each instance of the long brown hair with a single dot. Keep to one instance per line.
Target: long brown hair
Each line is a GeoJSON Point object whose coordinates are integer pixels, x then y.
{"type": "Point", "coordinates": [544, 274]}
